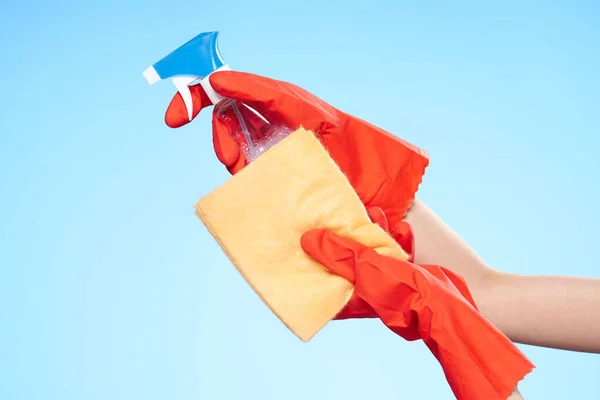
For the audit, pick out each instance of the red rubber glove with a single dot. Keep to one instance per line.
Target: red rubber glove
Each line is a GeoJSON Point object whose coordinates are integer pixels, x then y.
{"type": "Point", "coordinates": [431, 303]}
{"type": "Point", "coordinates": [356, 306]}
{"type": "Point", "coordinates": [384, 170]}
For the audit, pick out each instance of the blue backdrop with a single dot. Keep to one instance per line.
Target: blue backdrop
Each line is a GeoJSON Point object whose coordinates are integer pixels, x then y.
{"type": "Point", "coordinates": [111, 288]}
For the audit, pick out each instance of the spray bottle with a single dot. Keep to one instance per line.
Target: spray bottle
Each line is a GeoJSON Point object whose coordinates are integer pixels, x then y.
{"type": "Point", "coordinates": [193, 63]}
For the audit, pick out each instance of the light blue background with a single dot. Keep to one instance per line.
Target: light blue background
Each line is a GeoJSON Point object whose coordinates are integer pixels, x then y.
{"type": "Point", "coordinates": [111, 288]}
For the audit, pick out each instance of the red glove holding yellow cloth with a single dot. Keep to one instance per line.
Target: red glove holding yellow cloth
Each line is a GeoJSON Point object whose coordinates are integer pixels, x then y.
{"type": "Point", "coordinates": [425, 302]}
{"type": "Point", "coordinates": [384, 170]}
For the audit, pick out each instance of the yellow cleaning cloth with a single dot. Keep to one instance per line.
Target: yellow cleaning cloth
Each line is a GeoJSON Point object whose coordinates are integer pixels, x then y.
{"type": "Point", "coordinates": [259, 215]}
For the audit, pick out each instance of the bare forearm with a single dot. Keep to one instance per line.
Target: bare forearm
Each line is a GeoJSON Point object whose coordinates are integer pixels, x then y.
{"type": "Point", "coordinates": [558, 312]}
{"type": "Point", "coordinates": [437, 243]}
{"type": "Point", "coordinates": [552, 311]}
{"type": "Point", "coordinates": [515, 395]}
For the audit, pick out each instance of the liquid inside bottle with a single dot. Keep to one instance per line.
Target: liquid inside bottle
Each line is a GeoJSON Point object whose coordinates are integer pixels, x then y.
{"type": "Point", "coordinates": [254, 133]}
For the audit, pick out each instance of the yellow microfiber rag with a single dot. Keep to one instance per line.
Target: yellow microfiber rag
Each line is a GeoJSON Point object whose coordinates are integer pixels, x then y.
{"type": "Point", "coordinates": [259, 215]}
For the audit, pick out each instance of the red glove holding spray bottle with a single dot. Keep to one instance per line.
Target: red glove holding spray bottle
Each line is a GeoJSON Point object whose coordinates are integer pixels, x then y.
{"type": "Point", "coordinates": [385, 171]}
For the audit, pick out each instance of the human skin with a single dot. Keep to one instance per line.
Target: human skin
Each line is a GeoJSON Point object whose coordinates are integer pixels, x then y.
{"type": "Point", "coordinates": [515, 395]}
{"type": "Point", "coordinates": [560, 312]}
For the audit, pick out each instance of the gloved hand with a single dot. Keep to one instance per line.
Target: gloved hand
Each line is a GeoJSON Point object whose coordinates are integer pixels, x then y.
{"type": "Point", "coordinates": [356, 306]}
{"type": "Point", "coordinates": [431, 303]}
{"type": "Point", "coordinates": [385, 171]}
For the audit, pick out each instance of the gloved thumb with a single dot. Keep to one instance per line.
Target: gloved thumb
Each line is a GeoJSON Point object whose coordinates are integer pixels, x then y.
{"type": "Point", "coordinates": [226, 148]}
{"type": "Point", "coordinates": [403, 235]}
{"type": "Point", "coordinates": [377, 216]}
{"type": "Point", "coordinates": [337, 253]}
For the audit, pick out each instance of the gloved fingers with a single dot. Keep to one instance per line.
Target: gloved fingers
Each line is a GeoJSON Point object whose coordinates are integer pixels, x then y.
{"type": "Point", "coordinates": [263, 94]}
{"type": "Point", "coordinates": [226, 147]}
{"type": "Point", "coordinates": [177, 115]}
{"type": "Point", "coordinates": [279, 102]}
{"type": "Point", "coordinates": [228, 136]}
{"type": "Point", "coordinates": [403, 235]}
{"type": "Point", "coordinates": [378, 217]}
{"type": "Point", "coordinates": [246, 87]}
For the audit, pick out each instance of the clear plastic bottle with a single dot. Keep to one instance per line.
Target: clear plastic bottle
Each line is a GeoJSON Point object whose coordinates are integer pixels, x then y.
{"type": "Point", "coordinates": [254, 133]}
{"type": "Point", "coordinates": [192, 63]}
